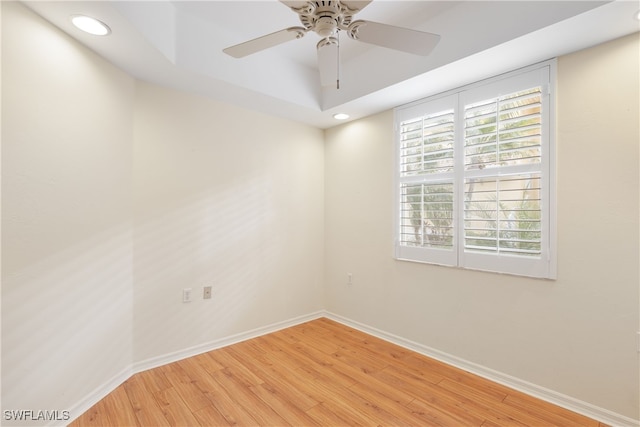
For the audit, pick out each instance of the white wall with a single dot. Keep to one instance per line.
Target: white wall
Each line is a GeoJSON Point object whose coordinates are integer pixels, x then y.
{"type": "Point", "coordinates": [575, 335]}
{"type": "Point", "coordinates": [118, 194]}
{"type": "Point", "coordinates": [228, 198]}
{"type": "Point", "coordinates": [67, 117]}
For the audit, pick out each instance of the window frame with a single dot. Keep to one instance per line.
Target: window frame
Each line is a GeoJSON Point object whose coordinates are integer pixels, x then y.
{"type": "Point", "coordinates": [544, 266]}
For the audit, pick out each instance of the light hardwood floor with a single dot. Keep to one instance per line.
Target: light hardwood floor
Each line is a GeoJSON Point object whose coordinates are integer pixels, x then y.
{"type": "Point", "coordinates": [320, 373]}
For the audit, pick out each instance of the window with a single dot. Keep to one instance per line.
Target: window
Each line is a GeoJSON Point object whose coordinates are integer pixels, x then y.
{"type": "Point", "coordinates": [475, 176]}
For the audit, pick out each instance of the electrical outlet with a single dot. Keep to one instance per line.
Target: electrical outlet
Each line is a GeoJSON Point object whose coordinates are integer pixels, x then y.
{"type": "Point", "coordinates": [349, 279]}
{"type": "Point", "coordinates": [186, 295]}
{"type": "Point", "coordinates": [206, 292]}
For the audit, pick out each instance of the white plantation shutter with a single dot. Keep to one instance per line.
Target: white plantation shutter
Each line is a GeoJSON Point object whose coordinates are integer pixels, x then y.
{"type": "Point", "coordinates": [475, 177]}
{"type": "Point", "coordinates": [426, 190]}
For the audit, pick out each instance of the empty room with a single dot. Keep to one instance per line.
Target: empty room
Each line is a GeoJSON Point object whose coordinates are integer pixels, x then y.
{"type": "Point", "coordinates": [320, 213]}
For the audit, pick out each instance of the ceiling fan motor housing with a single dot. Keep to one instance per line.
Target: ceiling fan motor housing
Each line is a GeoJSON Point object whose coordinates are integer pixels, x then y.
{"type": "Point", "coordinates": [325, 17]}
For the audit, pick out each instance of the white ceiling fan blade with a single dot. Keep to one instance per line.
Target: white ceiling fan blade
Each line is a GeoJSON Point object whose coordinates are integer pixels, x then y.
{"type": "Point", "coordinates": [356, 5]}
{"type": "Point", "coordinates": [398, 38]}
{"type": "Point", "coordinates": [328, 61]}
{"type": "Point", "coordinates": [261, 43]}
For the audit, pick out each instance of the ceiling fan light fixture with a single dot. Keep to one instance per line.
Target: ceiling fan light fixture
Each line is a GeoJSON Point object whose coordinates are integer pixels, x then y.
{"type": "Point", "coordinates": [341, 116]}
{"type": "Point", "coordinates": [325, 26]}
{"type": "Point", "coordinates": [90, 25]}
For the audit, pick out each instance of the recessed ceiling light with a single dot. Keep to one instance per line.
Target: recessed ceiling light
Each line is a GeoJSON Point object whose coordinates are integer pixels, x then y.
{"type": "Point", "coordinates": [90, 25]}
{"type": "Point", "coordinates": [341, 116]}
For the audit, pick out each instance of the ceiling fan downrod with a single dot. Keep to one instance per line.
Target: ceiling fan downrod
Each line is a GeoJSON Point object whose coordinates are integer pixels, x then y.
{"type": "Point", "coordinates": [338, 61]}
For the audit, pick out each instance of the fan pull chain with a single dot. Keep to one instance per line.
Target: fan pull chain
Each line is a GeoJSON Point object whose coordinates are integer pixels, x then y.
{"type": "Point", "coordinates": [338, 61]}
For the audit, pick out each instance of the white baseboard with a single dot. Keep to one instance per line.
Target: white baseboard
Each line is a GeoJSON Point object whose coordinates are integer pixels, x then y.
{"type": "Point", "coordinates": [559, 399]}
{"type": "Point", "coordinates": [102, 391]}
{"type": "Point", "coordinates": [98, 394]}
{"type": "Point", "coordinates": [154, 362]}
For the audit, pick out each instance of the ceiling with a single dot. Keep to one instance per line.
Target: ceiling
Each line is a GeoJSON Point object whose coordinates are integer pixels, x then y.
{"type": "Point", "coordinates": [179, 44]}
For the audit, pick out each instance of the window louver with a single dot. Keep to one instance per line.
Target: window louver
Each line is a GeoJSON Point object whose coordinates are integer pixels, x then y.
{"type": "Point", "coordinates": [503, 215]}
{"type": "Point", "coordinates": [427, 144]}
{"type": "Point", "coordinates": [503, 131]}
{"type": "Point", "coordinates": [426, 215]}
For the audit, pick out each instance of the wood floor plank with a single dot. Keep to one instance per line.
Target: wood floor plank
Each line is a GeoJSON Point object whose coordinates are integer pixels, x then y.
{"type": "Point", "coordinates": [286, 335]}
{"type": "Point", "coordinates": [366, 346]}
{"type": "Point", "coordinates": [316, 351]}
{"type": "Point", "coordinates": [347, 377]}
{"type": "Point", "coordinates": [94, 416]}
{"type": "Point", "coordinates": [319, 373]}
{"type": "Point", "coordinates": [225, 357]}
{"type": "Point", "coordinates": [119, 408]}
{"type": "Point", "coordinates": [311, 328]}
{"type": "Point", "coordinates": [153, 380]}
{"type": "Point", "coordinates": [225, 404]}
{"type": "Point", "coordinates": [326, 417]}
{"type": "Point", "coordinates": [205, 383]}
{"type": "Point", "coordinates": [210, 416]}
{"type": "Point", "coordinates": [377, 346]}
{"type": "Point", "coordinates": [112, 410]}
{"type": "Point", "coordinates": [429, 394]}
{"type": "Point", "coordinates": [338, 397]}
{"type": "Point", "coordinates": [241, 393]}
{"type": "Point", "coordinates": [344, 376]}
{"type": "Point", "coordinates": [146, 409]}
{"type": "Point", "coordinates": [311, 339]}
{"type": "Point", "coordinates": [174, 408]}
{"type": "Point", "coordinates": [494, 410]}
{"type": "Point", "coordinates": [547, 413]}
{"type": "Point", "coordinates": [488, 423]}
{"type": "Point", "coordinates": [280, 403]}
{"type": "Point", "coordinates": [426, 365]}
{"type": "Point", "coordinates": [359, 361]}
{"type": "Point", "coordinates": [474, 401]}
{"type": "Point", "coordinates": [347, 407]}
{"type": "Point", "coordinates": [488, 390]}
{"type": "Point", "coordinates": [388, 401]}
{"type": "Point", "coordinates": [432, 414]}
{"type": "Point", "coordinates": [282, 378]}
{"type": "Point", "coordinates": [343, 411]}
{"type": "Point", "coordinates": [307, 353]}
{"type": "Point", "coordinates": [182, 383]}
{"type": "Point", "coordinates": [375, 411]}
{"type": "Point", "coordinates": [199, 362]}
{"type": "Point", "coordinates": [98, 415]}
{"type": "Point", "coordinates": [280, 353]}
{"type": "Point", "coordinates": [257, 357]}
{"type": "Point", "coordinates": [420, 371]}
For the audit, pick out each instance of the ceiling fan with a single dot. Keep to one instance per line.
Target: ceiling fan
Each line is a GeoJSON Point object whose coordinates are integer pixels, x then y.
{"type": "Point", "coordinates": [327, 18]}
